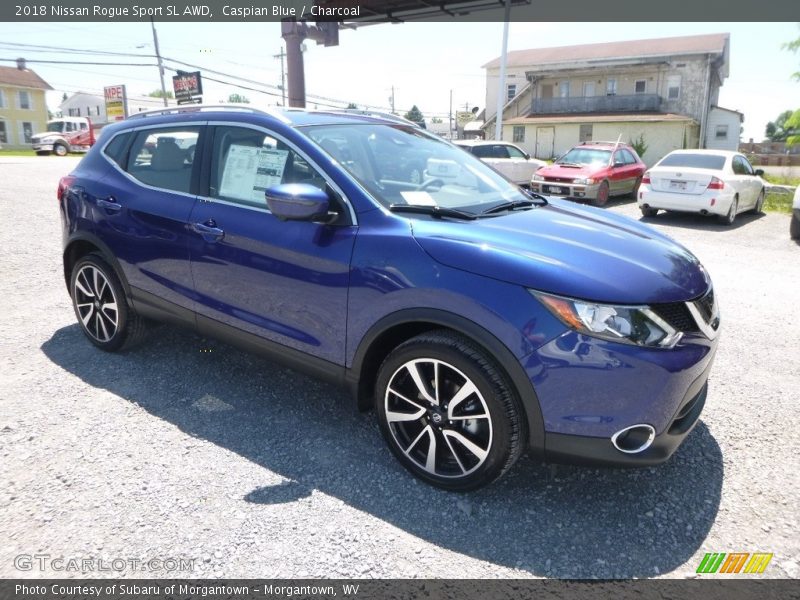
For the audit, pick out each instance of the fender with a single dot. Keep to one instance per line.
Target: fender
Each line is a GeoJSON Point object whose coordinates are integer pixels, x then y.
{"type": "Point", "coordinates": [504, 357]}
{"type": "Point", "coordinates": [105, 252]}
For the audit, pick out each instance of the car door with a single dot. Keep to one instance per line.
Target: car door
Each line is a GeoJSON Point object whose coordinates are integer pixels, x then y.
{"type": "Point", "coordinates": [284, 281]}
{"type": "Point", "coordinates": [753, 181]}
{"type": "Point", "coordinates": [141, 209]}
{"type": "Point", "coordinates": [495, 155]}
{"type": "Point", "coordinates": [521, 168]}
{"type": "Point", "coordinates": [743, 182]}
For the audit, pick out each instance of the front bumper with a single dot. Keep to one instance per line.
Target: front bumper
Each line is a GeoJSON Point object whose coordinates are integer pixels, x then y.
{"type": "Point", "coordinates": [566, 190]}
{"type": "Point", "coordinates": [600, 452]}
{"type": "Point", "coordinates": [43, 147]}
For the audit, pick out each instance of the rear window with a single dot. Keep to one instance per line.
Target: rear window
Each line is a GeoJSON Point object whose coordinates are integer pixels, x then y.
{"type": "Point", "coordinates": [698, 161]}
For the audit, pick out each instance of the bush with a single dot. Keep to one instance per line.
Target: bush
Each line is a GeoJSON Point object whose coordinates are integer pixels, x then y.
{"type": "Point", "coordinates": [639, 145]}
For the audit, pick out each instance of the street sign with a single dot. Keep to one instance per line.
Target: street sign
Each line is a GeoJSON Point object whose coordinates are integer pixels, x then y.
{"type": "Point", "coordinates": [187, 86]}
{"type": "Point", "coordinates": [116, 102]}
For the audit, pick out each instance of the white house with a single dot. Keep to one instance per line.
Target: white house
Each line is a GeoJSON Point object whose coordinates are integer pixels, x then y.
{"type": "Point", "coordinates": [660, 90]}
{"type": "Point", "coordinates": [85, 104]}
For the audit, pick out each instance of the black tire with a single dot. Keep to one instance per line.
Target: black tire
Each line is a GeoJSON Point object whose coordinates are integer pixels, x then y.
{"type": "Point", "coordinates": [43, 153]}
{"type": "Point", "coordinates": [794, 227]}
{"type": "Point", "coordinates": [758, 209]}
{"type": "Point", "coordinates": [467, 453]}
{"type": "Point", "coordinates": [729, 218]}
{"type": "Point", "coordinates": [110, 329]}
{"type": "Point", "coordinates": [60, 149]}
{"type": "Point", "coordinates": [648, 212]}
{"type": "Point", "coordinates": [602, 195]}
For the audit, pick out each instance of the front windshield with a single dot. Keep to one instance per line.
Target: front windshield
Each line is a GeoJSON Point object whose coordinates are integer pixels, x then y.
{"type": "Point", "coordinates": [403, 165]}
{"type": "Point", "coordinates": [585, 156]}
{"type": "Point", "coordinates": [55, 126]}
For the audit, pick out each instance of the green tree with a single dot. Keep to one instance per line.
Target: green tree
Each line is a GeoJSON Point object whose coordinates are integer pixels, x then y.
{"type": "Point", "coordinates": [776, 130]}
{"type": "Point", "coordinates": [238, 98]}
{"type": "Point", "coordinates": [792, 124]}
{"type": "Point", "coordinates": [64, 97]}
{"type": "Point", "coordinates": [160, 94]}
{"type": "Point", "coordinates": [352, 106]}
{"type": "Point", "coordinates": [639, 145]}
{"type": "Point", "coordinates": [436, 120]}
{"type": "Point", "coordinates": [415, 115]}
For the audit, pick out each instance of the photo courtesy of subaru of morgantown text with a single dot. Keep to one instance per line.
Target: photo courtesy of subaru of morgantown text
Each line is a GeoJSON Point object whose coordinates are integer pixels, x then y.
{"type": "Point", "coordinates": [478, 319]}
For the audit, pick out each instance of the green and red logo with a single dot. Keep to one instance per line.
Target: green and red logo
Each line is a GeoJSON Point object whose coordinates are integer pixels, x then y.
{"type": "Point", "coordinates": [734, 562]}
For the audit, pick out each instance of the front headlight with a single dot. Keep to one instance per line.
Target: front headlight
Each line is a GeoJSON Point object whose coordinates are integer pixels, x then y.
{"type": "Point", "coordinates": [537, 177]}
{"type": "Point", "coordinates": [584, 181]}
{"type": "Point", "coordinates": [637, 325]}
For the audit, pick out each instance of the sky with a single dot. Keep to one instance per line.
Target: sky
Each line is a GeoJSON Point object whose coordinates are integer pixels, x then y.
{"type": "Point", "coordinates": [423, 62]}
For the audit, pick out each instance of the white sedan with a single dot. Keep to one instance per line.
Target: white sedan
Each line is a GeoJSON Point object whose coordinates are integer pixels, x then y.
{"type": "Point", "coordinates": [512, 161]}
{"type": "Point", "coordinates": [707, 182]}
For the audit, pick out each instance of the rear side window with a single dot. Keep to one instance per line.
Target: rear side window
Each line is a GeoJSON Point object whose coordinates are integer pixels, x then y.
{"type": "Point", "coordinates": [700, 161]}
{"type": "Point", "coordinates": [116, 149]}
{"type": "Point", "coordinates": [493, 151]}
{"type": "Point", "coordinates": [163, 158]}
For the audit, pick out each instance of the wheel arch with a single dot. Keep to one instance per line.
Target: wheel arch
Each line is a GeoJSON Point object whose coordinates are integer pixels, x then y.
{"type": "Point", "coordinates": [83, 244]}
{"type": "Point", "coordinates": [394, 329]}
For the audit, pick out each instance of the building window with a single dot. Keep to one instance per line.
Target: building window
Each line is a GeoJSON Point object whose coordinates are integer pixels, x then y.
{"type": "Point", "coordinates": [24, 100]}
{"type": "Point", "coordinates": [26, 129]}
{"type": "Point", "coordinates": [585, 133]}
{"type": "Point", "coordinates": [721, 132]}
{"type": "Point", "coordinates": [563, 89]}
{"type": "Point", "coordinates": [511, 91]}
{"type": "Point", "coordinates": [74, 112]}
{"type": "Point", "coordinates": [519, 134]}
{"type": "Point", "coordinates": [3, 132]}
{"type": "Point", "coordinates": [673, 87]}
{"type": "Point", "coordinates": [98, 110]}
{"type": "Point", "coordinates": [640, 87]}
{"type": "Point", "coordinates": [2, 99]}
{"type": "Point", "coordinates": [611, 87]}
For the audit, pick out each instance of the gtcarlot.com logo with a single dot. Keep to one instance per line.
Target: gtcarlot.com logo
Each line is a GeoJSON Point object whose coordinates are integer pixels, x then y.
{"type": "Point", "coordinates": [734, 562]}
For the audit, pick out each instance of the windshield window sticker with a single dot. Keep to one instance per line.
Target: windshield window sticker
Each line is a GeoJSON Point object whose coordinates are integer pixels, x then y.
{"type": "Point", "coordinates": [418, 198]}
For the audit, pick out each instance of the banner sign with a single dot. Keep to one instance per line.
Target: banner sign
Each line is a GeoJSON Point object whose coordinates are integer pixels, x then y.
{"type": "Point", "coordinates": [116, 102]}
{"type": "Point", "coordinates": [188, 87]}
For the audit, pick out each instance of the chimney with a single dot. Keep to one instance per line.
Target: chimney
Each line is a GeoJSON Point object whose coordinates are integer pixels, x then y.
{"type": "Point", "coordinates": [21, 64]}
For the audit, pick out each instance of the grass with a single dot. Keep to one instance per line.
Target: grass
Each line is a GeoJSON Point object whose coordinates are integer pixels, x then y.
{"type": "Point", "coordinates": [780, 201]}
{"type": "Point", "coordinates": [17, 153]}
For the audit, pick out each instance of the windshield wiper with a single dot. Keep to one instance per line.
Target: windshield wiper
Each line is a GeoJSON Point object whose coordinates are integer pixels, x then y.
{"type": "Point", "coordinates": [436, 211]}
{"type": "Point", "coordinates": [515, 204]}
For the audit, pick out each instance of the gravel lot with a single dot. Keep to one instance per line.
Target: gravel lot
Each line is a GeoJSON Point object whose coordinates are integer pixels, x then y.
{"type": "Point", "coordinates": [187, 448]}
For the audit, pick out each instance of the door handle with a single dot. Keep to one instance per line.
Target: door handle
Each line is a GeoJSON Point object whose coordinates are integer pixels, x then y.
{"type": "Point", "coordinates": [208, 230]}
{"type": "Point", "coordinates": [109, 204]}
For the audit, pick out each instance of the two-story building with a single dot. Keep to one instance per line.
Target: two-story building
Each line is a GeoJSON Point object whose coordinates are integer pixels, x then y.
{"type": "Point", "coordinates": [23, 109]}
{"type": "Point", "coordinates": [664, 91]}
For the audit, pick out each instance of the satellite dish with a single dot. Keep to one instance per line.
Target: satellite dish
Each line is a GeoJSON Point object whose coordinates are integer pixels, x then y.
{"type": "Point", "coordinates": [475, 110]}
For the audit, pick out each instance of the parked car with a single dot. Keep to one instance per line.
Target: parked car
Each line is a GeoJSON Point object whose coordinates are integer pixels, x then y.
{"type": "Point", "coordinates": [794, 226]}
{"type": "Point", "coordinates": [588, 172]}
{"type": "Point", "coordinates": [707, 182]}
{"type": "Point", "coordinates": [478, 320]}
{"type": "Point", "coordinates": [512, 161]}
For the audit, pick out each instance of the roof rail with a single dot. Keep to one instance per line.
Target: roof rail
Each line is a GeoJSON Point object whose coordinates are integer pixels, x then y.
{"type": "Point", "coordinates": [599, 142]}
{"type": "Point", "coordinates": [186, 108]}
{"type": "Point", "coordinates": [371, 113]}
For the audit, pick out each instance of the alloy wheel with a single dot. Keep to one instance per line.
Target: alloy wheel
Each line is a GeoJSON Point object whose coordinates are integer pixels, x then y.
{"type": "Point", "coordinates": [96, 303]}
{"type": "Point", "coordinates": [438, 418]}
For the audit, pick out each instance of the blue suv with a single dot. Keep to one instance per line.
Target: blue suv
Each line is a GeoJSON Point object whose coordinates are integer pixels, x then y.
{"type": "Point", "coordinates": [480, 321]}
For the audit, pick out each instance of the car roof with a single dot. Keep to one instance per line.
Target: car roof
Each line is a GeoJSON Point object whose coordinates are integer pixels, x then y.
{"type": "Point", "coordinates": [728, 153]}
{"type": "Point", "coordinates": [601, 145]}
{"type": "Point", "coordinates": [481, 142]}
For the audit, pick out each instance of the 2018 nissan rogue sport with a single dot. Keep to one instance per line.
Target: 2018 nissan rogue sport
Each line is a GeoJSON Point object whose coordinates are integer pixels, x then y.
{"type": "Point", "coordinates": [478, 320]}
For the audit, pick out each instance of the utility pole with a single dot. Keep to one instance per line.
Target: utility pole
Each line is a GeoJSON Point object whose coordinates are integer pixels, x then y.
{"type": "Point", "coordinates": [450, 119]}
{"type": "Point", "coordinates": [160, 64]}
{"type": "Point", "coordinates": [283, 79]}
{"type": "Point", "coordinates": [391, 99]}
{"type": "Point", "coordinates": [501, 85]}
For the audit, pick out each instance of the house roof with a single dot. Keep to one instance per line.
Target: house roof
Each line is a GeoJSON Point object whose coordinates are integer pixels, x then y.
{"type": "Point", "coordinates": [599, 118]}
{"type": "Point", "coordinates": [671, 46]}
{"type": "Point", "coordinates": [24, 78]}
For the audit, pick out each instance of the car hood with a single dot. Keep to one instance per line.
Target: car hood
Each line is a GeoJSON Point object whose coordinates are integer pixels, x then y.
{"type": "Point", "coordinates": [570, 250]}
{"type": "Point", "coordinates": [570, 172]}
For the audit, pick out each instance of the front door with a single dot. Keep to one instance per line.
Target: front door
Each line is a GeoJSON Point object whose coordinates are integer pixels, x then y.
{"type": "Point", "coordinates": [286, 281]}
{"type": "Point", "coordinates": [545, 142]}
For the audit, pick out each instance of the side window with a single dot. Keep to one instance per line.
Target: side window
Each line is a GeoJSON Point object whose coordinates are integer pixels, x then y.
{"type": "Point", "coordinates": [245, 162]}
{"type": "Point", "coordinates": [627, 157]}
{"type": "Point", "coordinates": [514, 152]}
{"type": "Point", "coordinates": [741, 166]}
{"type": "Point", "coordinates": [117, 149]}
{"type": "Point", "coordinates": [163, 158]}
{"type": "Point", "coordinates": [492, 151]}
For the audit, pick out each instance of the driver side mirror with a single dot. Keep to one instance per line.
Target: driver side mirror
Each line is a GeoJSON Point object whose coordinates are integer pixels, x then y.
{"type": "Point", "coordinates": [759, 172]}
{"type": "Point", "coordinates": [299, 202]}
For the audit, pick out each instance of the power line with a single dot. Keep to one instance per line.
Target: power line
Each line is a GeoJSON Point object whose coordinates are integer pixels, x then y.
{"type": "Point", "coordinates": [78, 62]}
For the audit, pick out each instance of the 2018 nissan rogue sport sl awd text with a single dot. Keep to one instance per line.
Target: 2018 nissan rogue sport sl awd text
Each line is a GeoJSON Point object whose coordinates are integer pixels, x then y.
{"type": "Point", "coordinates": [478, 320]}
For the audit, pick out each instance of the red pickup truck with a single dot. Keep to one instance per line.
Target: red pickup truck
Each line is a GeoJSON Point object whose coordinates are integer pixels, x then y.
{"type": "Point", "coordinates": [64, 135]}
